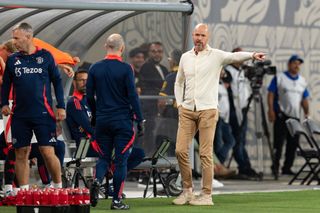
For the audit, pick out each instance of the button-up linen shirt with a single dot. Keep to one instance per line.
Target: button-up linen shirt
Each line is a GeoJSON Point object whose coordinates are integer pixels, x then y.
{"type": "Point", "coordinates": [197, 81]}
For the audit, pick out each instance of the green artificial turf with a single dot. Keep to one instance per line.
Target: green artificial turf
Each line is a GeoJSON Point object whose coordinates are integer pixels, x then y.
{"type": "Point", "coordinates": [283, 202]}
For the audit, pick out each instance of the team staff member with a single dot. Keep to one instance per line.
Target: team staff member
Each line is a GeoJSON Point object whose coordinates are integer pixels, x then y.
{"type": "Point", "coordinates": [79, 114]}
{"type": "Point", "coordinates": [31, 72]}
{"type": "Point", "coordinates": [112, 82]}
{"type": "Point", "coordinates": [79, 122]}
{"type": "Point", "coordinates": [62, 59]}
{"type": "Point", "coordinates": [196, 91]}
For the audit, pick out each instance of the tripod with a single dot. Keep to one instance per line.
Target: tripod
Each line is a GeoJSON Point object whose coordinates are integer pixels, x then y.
{"type": "Point", "coordinates": [261, 127]}
{"type": "Point", "coordinates": [77, 175]}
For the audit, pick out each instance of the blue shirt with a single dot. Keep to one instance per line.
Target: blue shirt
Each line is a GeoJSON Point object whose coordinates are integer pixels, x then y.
{"type": "Point", "coordinates": [112, 82]}
{"type": "Point", "coordinates": [31, 77]}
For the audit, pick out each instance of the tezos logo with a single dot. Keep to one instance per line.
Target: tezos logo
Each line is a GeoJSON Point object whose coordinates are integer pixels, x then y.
{"type": "Point", "coordinates": [17, 71]}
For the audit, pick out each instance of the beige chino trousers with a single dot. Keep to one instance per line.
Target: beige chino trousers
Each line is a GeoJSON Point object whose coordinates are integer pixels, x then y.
{"type": "Point", "coordinates": [189, 122]}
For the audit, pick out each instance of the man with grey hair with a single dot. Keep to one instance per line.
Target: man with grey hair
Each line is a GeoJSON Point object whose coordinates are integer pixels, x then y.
{"type": "Point", "coordinates": [115, 108]}
{"type": "Point", "coordinates": [31, 71]}
{"type": "Point", "coordinates": [196, 91]}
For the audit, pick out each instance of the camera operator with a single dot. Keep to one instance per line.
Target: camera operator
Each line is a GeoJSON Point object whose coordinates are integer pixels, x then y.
{"type": "Point", "coordinates": [239, 93]}
{"type": "Point", "coordinates": [287, 93]}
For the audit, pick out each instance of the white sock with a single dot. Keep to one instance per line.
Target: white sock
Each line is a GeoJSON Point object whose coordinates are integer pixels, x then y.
{"type": "Point", "coordinates": [57, 185]}
{"type": "Point", "coordinates": [24, 187]}
{"type": "Point", "coordinates": [8, 187]}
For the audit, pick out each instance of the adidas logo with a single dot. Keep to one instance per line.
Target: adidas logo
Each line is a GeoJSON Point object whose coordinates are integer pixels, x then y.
{"type": "Point", "coordinates": [52, 140]}
{"type": "Point", "coordinates": [17, 62]}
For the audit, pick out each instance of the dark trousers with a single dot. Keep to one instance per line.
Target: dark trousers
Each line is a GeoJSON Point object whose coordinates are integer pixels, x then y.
{"type": "Point", "coordinates": [239, 149]}
{"type": "Point", "coordinates": [117, 135]}
{"type": "Point", "coordinates": [223, 140]}
{"type": "Point", "coordinates": [281, 134]}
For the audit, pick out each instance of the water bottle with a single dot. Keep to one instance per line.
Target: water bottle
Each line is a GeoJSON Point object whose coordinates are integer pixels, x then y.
{"type": "Point", "coordinates": [86, 196]}
{"type": "Point", "coordinates": [45, 197]}
{"type": "Point", "coordinates": [54, 197]}
{"type": "Point", "coordinates": [63, 197]}
{"type": "Point", "coordinates": [29, 198]}
{"type": "Point", "coordinates": [20, 200]}
{"type": "Point", "coordinates": [36, 197]}
{"type": "Point", "coordinates": [78, 197]}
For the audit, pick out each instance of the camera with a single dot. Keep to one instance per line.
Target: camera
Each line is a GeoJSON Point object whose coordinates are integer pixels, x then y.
{"type": "Point", "coordinates": [256, 72]}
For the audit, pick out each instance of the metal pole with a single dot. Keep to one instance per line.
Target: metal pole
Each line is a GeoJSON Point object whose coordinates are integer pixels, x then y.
{"type": "Point", "coordinates": [185, 6]}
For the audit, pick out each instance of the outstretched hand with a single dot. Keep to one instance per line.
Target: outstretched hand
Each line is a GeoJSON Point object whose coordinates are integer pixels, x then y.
{"type": "Point", "coordinates": [259, 56]}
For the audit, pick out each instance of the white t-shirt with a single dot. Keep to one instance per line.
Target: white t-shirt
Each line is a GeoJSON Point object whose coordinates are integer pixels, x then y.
{"type": "Point", "coordinates": [240, 87]}
{"type": "Point", "coordinates": [224, 105]}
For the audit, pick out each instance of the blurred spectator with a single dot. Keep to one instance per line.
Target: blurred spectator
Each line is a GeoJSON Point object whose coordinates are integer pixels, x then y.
{"type": "Point", "coordinates": [223, 140]}
{"type": "Point", "coordinates": [239, 92]}
{"type": "Point", "coordinates": [287, 94]}
{"type": "Point", "coordinates": [137, 59]}
{"type": "Point", "coordinates": [145, 49]}
{"type": "Point", "coordinates": [152, 75]}
{"type": "Point", "coordinates": [167, 123]}
{"type": "Point", "coordinates": [168, 107]}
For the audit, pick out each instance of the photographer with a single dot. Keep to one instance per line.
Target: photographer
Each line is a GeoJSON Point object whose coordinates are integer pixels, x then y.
{"type": "Point", "coordinates": [239, 93]}
{"type": "Point", "coordinates": [287, 93]}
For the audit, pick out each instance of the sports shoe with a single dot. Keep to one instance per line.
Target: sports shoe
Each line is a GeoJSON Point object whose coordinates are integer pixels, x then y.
{"type": "Point", "coordinates": [94, 193]}
{"type": "Point", "coordinates": [217, 184]}
{"type": "Point", "coordinates": [202, 200]}
{"type": "Point", "coordinates": [110, 191]}
{"type": "Point", "coordinates": [119, 205]}
{"type": "Point", "coordinates": [184, 198]}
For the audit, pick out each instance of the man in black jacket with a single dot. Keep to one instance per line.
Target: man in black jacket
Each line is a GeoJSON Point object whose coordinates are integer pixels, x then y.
{"type": "Point", "coordinates": [152, 75]}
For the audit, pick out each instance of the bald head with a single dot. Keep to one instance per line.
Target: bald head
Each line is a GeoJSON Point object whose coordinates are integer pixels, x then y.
{"type": "Point", "coordinates": [200, 36]}
{"type": "Point", "coordinates": [201, 26]}
{"type": "Point", "coordinates": [114, 44]}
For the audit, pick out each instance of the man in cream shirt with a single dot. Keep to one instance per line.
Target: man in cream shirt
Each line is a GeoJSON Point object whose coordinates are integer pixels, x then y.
{"type": "Point", "coordinates": [196, 92]}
